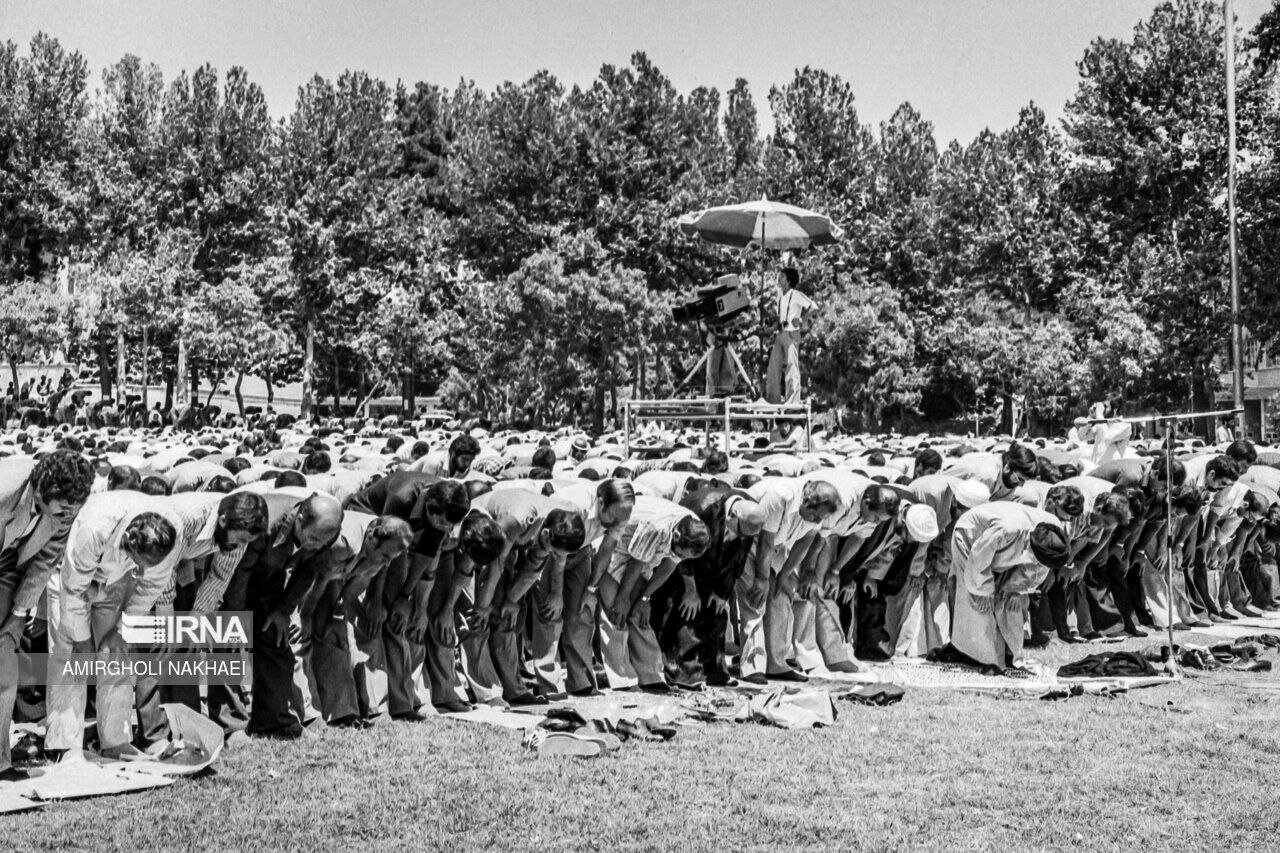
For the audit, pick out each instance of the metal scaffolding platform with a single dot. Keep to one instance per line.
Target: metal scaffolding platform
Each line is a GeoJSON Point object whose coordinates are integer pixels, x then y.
{"type": "Point", "coordinates": [717, 412]}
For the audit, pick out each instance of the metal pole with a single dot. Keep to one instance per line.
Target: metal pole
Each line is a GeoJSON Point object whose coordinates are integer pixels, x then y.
{"type": "Point", "coordinates": [1168, 533]}
{"type": "Point", "coordinates": [1237, 330]}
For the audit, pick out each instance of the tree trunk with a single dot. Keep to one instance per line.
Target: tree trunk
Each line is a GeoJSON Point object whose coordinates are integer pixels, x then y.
{"type": "Point", "coordinates": [145, 378]}
{"type": "Point", "coordinates": [1202, 400]}
{"type": "Point", "coordinates": [597, 408]}
{"type": "Point", "coordinates": [373, 392]}
{"type": "Point", "coordinates": [271, 389]}
{"type": "Point", "coordinates": [180, 384]}
{"type": "Point", "coordinates": [104, 362]}
{"type": "Point", "coordinates": [122, 392]}
{"type": "Point", "coordinates": [1006, 414]}
{"type": "Point", "coordinates": [13, 370]}
{"type": "Point", "coordinates": [239, 396]}
{"type": "Point", "coordinates": [308, 374]}
{"type": "Point", "coordinates": [337, 388]}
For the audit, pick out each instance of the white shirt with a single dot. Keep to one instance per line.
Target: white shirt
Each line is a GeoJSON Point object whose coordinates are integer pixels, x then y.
{"type": "Point", "coordinates": [94, 557]}
{"type": "Point", "coordinates": [647, 537]}
{"type": "Point", "coordinates": [791, 308]}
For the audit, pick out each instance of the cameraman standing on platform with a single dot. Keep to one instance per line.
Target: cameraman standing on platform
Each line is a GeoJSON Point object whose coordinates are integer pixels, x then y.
{"type": "Point", "coordinates": [782, 385]}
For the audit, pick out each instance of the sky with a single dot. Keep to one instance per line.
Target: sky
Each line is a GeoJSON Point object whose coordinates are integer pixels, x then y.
{"type": "Point", "coordinates": [964, 64]}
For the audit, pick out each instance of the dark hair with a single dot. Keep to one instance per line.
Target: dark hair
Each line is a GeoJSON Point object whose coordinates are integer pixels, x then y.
{"type": "Point", "coordinates": [149, 535]}
{"type": "Point", "coordinates": [244, 511]}
{"type": "Point", "coordinates": [220, 483]}
{"type": "Point", "coordinates": [539, 474]}
{"type": "Point", "coordinates": [198, 453]}
{"type": "Point", "coordinates": [155, 486]}
{"type": "Point", "coordinates": [1114, 506]}
{"type": "Point", "coordinates": [1069, 498]}
{"type": "Point", "coordinates": [691, 536]}
{"type": "Point", "coordinates": [123, 478]}
{"type": "Point", "coordinates": [1243, 452]}
{"type": "Point", "coordinates": [290, 478]}
{"type": "Point", "coordinates": [419, 449]}
{"type": "Point", "coordinates": [928, 459]}
{"type": "Point", "coordinates": [236, 464]}
{"type": "Point", "coordinates": [1021, 460]}
{"type": "Point", "coordinates": [70, 442]}
{"type": "Point", "coordinates": [717, 462]}
{"type": "Point", "coordinates": [792, 275]}
{"type": "Point", "coordinates": [880, 500]}
{"type": "Point", "coordinates": [566, 528]}
{"type": "Point", "coordinates": [1046, 471]}
{"type": "Point", "coordinates": [1139, 500]}
{"type": "Point", "coordinates": [448, 498]}
{"type": "Point", "coordinates": [543, 457]}
{"type": "Point", "coordinates": [621, 473]}
{"type": "Point", "coordinates": [1254, 502]}
{"type": "Point", "coordinates": [1188, 498]}
{"type": "Point", "coordinates": [393, 443]}
{"type": "Point", "coordinates": [1068, 470]}
{"type": "Point", "coordinates": [1224, 467]}
{"type": "Point", "coordinates": [610, 493]}
{"type": "Point", "coordinates": [316, 462]}
{"type": "Point", "coordinates": [62, 476]}
{"type": "Point", "coordinates": [876, 459]}
{"type": "Point", "coordinates": [464, 444]}
{"type": "Point", "coordinates": [588, 474]}
{"type": "Point", "coordinates": [481, 539]}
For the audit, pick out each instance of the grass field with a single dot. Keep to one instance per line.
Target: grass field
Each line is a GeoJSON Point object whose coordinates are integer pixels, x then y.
{"type": "Point", "coordinates": [1184, 767]}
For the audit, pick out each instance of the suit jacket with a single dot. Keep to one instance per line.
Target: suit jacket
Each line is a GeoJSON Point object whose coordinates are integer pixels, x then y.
{"type": "Point", "coordinates": [41, 553]}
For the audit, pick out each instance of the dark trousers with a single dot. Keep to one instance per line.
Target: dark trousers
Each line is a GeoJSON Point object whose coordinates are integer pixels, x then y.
{"type": "Point", "coordinates": [872, 640]}
{"type": "Point", "coordinates": [693, 649]}
{"type": "Point", "coordinates": [272, 713]}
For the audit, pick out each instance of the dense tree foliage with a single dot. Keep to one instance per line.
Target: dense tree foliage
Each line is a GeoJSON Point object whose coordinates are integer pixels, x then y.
{"type": "Point", "coordinates": [515, 250]}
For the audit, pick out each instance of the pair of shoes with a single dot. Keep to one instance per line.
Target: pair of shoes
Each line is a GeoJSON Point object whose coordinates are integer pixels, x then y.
{"type": "Point", "coordinates": [527, 699]}
{"type": "Point", "coordinates": [609, 741]}
{"type": "Point", "coordinates": [754, 678]}
{"type": "Point", "coordinates": [720, 680]}
{"type": "Point", "coordinates": [1093, 635]}
{"type": "Point", "coordinates": [1228, 615]}
{"type": "Point", "coordinates": [586, 691]}
{"type": "Point", "coordinates": [656, 687]}
{"type": "Point", "coordinates": [789, 675]}
{"type": "Point", "coordinates": [1250, 612]}
{"type": "Point", "coordinates": [456, 706]}
{"type": "Point", "coordinates": [351, 721]}
{"type": "Point", "coordinates": [409, 717]}
{"type": "Point", "coordinates": [1135, 632]}
{"type": "Point", "coordinates": [1072, 639]}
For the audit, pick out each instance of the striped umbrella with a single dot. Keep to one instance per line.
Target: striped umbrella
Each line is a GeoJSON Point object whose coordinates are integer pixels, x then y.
{"type": "Point", "coordinates": [769, 224]}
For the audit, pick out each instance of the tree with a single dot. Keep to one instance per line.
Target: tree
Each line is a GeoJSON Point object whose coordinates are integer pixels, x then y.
{"type": "Point", "coordinates": [227, 333]}
{"type": "Point", "coordinates": [42, 105]}
{"type": "Point", "coordinates": [865, 359]}
{"type": "Point", "coordinates": [33, 319]}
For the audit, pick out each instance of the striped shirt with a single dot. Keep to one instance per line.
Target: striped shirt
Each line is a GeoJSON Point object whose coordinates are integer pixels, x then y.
{"type": "Point", "coordinates": [198, 512]}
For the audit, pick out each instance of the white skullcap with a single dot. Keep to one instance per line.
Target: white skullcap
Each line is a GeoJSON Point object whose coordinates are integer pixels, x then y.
{"type": "Point", "coordinates": [970, 493]}
{"type": "Point", "coordinates": [922, 523]}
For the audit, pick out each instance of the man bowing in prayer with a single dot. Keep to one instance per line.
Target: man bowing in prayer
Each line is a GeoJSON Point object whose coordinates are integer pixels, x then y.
{"type": "Point", "coordinates": [1000, 552]}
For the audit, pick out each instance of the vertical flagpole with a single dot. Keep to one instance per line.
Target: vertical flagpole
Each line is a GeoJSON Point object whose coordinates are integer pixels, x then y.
{"type": "Point", "coordinates": [1237, 330]}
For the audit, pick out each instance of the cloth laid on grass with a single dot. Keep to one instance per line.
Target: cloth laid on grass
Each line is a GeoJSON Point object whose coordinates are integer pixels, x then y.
{"type": "Point", "coordinates": [13, 803]}
{"type": "Point", "coordinates": [1108, 665]}
{"type": "Point", "coordinates": [199, 741]}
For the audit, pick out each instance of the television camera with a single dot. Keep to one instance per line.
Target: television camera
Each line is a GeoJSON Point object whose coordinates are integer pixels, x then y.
{"type": "Point", "coordinates": [724, 309]}
{"type": "Point", "coordinates": [723, 306]}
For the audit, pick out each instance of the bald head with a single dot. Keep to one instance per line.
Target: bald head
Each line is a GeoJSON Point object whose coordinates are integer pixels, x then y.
{"type": "Point", "coordinates": [319, 521]}
{"type": "Point", "coordinates": [820, 501]}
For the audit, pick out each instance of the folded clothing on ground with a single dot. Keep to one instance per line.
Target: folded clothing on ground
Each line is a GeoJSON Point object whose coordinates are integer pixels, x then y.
{"type": "Point", "coordinates": [1107, 665]}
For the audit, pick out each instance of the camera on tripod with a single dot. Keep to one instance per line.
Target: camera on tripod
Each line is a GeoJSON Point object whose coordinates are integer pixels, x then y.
{"type": "Point", "coordinates": [722, 305]}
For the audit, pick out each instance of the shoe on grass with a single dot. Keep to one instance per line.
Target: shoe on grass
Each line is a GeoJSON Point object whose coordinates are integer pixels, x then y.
{"type": "Point", "coordinates": [456, 706]}
{"type": "Point", "coordinates": [544, 742]}
{"type": "Point", "coordinates": [409, 717]}
{"type": "Point", "coordinates": [754, 678]}
{"type": "Point", "coordinates": [790, 675]}
{"type": "Point", "coordinates": [527, 699]}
